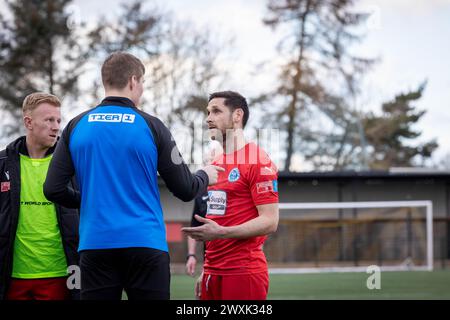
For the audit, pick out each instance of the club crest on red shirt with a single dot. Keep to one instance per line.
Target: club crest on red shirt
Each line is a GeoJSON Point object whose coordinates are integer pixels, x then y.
{"type": "Point", "coordinates": [234, 175]}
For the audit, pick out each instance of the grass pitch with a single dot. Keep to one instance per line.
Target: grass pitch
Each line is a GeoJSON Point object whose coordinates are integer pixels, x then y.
{"type": "Point", "coordinates": [348, 286]}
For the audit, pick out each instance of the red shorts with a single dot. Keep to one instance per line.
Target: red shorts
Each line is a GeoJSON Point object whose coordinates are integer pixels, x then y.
{"type": "Point", "coordinates": [38, 289]}
{"type": "Point", "coordinates": [235, 287]}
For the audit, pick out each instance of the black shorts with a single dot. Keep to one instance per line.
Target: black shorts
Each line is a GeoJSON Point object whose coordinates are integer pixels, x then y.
{"type": "Point", "coordinates": [143, 273]}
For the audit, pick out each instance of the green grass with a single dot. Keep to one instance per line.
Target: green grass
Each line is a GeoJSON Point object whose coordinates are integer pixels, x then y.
{"type": "Point", "coordinates": [394, 285]}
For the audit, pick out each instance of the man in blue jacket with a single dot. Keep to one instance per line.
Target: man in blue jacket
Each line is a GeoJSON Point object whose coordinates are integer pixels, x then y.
{"type": "Point", "coordinates": [115, 151]}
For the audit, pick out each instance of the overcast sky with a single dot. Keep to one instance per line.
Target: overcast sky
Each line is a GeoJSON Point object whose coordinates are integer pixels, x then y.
{"type": "Point", "coordinates": [411, 38]}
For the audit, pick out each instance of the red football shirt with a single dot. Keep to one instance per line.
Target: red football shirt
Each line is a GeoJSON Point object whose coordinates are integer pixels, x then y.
{"type": "Point", "coordinates": [249, 180]}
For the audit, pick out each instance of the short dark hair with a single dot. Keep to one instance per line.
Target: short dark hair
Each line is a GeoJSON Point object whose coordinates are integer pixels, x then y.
{"type": "Point", "coordinates": [119, 67]}
{"type": "Point", "coordinates": [233, 100]}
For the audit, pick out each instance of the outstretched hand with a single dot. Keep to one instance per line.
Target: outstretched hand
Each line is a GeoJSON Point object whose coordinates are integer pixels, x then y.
{"type": "Point", "coordinates": [210, 230]}
{"type": "Point", "coordinates": [213, 173]}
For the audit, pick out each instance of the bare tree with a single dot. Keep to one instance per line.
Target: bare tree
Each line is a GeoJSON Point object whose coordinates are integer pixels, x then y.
{"type": "Point", "coordinates": [318, 78]}
{"type": "Point", "coordinates": [182, 76]}
{"type": "Point", "coordinates": [182, 64]}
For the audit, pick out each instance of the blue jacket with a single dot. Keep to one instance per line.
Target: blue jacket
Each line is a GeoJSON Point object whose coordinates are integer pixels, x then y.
{"type": "Point", "coordinates": [115, 152]}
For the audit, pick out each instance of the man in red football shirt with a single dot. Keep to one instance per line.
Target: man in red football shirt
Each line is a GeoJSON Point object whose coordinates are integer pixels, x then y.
{"type": "Point", "coordinates": [242, 208]}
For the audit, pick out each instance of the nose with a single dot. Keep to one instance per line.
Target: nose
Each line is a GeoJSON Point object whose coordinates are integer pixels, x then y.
{"type": "Point", "coordinates": [56, 126]}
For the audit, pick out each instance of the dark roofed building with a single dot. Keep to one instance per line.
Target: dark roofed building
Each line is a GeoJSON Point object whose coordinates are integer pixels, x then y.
{"type": "Point", "coordinates": [291, 243]}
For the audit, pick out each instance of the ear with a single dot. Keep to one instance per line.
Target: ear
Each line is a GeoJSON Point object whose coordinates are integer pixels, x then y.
{"type": "Point", "coordinates": [27, 122]}
{"type": "Point", "coordinates": [132, 83]}
{"type": "Point", "coordinates": [238, 116]}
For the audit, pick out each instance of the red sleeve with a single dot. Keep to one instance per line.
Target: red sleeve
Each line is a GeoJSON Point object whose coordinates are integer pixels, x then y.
{"type": "Point", "coordinates": [263, 180]}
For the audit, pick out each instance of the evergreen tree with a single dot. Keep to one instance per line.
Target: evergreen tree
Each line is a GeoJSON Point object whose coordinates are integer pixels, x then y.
{"type": "Point", "coordinates": [391, 135]}
{"type": "Point", "coordinates": [38, 52]}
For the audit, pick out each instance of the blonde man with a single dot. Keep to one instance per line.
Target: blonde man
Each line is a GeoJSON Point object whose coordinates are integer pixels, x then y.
{"type": "Point", "coordinates": [38, 239]}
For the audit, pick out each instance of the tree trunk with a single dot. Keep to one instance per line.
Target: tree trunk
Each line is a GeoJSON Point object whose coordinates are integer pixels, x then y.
{"type": "Point", "coordinates": [296, 87]}
{"type": "Point", "coordinates": [51, 67]}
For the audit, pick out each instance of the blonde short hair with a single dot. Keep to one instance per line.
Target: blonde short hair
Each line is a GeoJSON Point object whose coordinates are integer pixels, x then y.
{"type": "Point", "coordinates": [35, 99]}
